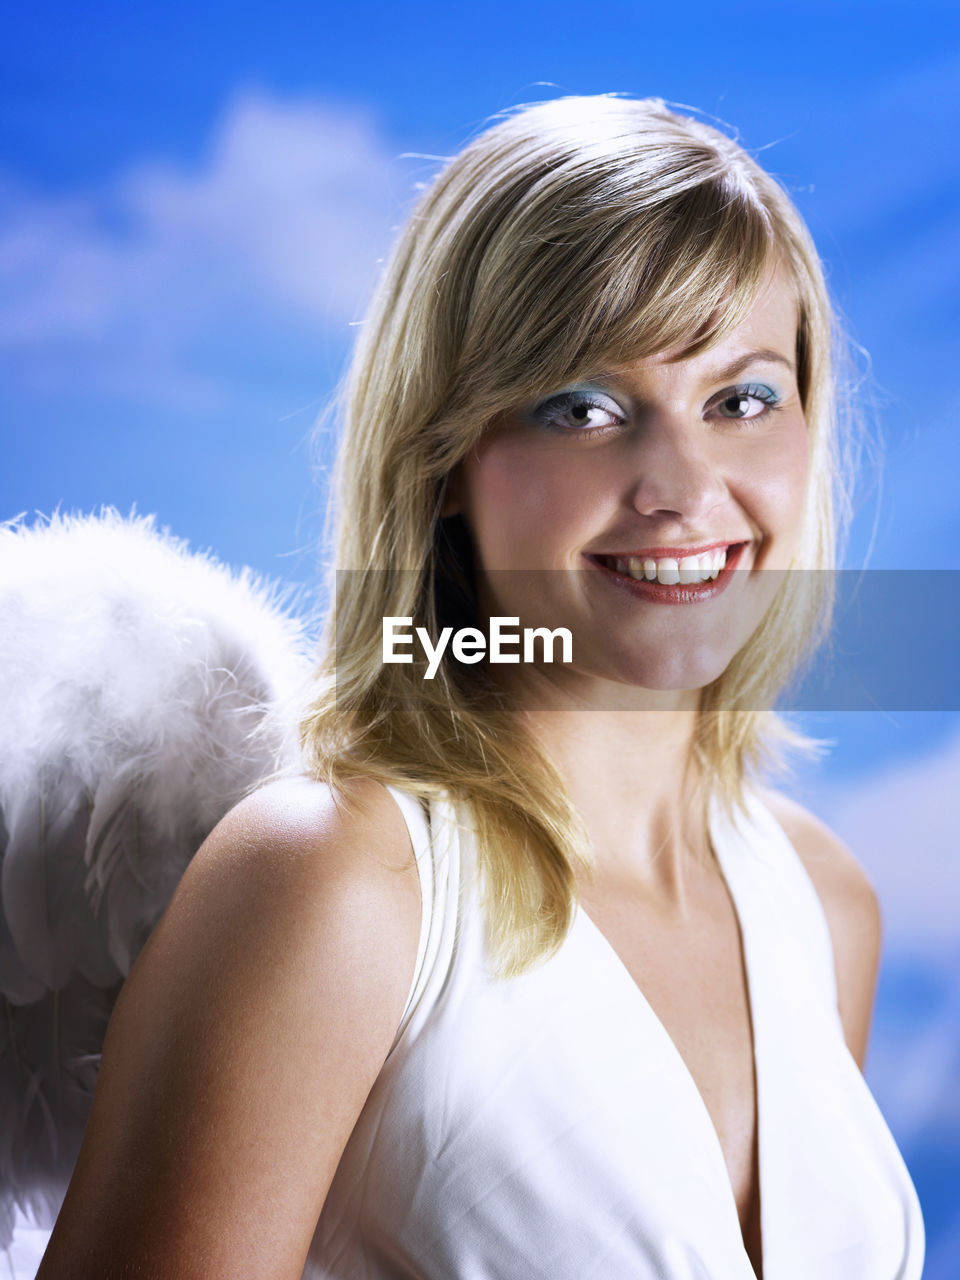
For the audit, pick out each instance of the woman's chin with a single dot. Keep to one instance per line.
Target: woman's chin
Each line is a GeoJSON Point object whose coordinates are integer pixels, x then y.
{"type": "Point", "coordinates": [620, 687]}
{"type": "Point", "coordinates": [674, 673]}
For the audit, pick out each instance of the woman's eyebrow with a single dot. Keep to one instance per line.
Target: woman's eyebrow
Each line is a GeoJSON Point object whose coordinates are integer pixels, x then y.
{"type": "Point", "coordinates": [764, 355]}
{"type": "Point", "coordinates": [761, 355]}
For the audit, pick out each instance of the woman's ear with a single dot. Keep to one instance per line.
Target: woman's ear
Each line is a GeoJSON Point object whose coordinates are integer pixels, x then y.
{"type": "Point", "coordinates": [450, 494]}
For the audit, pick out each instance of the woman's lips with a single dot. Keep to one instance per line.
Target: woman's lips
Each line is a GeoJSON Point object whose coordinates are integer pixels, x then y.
{"type": "Point", "coordinates": [679, 593]}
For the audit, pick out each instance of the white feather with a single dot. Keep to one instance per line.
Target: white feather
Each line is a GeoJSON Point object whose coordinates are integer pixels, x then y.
{"type": "Point", "coordinates": [143, 690]}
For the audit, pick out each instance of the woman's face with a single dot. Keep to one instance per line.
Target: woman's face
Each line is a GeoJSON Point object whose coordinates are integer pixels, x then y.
{"type": "Point", "coordinates": [601, 491]}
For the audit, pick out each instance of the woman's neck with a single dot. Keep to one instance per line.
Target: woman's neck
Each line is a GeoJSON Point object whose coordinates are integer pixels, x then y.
{"type": "Point", "coordinates": [627, 774]}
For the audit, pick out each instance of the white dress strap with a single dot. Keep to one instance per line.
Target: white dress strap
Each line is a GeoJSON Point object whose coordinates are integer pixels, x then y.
{"type": "Point", "coordinates": [433, 835]}
{"type": "Point", "coordinates": [771, 843]}
{"type": "Point", "coordinates": [419, 831]}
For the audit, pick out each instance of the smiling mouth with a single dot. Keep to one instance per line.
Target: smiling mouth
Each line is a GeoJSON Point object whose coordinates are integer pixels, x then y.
{"type": "Point", "coordinates": [674, 581]}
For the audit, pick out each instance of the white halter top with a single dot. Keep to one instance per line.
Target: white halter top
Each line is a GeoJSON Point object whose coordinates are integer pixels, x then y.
{"type": "Point", "coordinates": [547, 1128]}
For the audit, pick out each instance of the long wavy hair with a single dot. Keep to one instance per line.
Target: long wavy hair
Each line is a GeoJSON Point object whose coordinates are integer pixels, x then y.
{"type": "Point", "coordinates": [569, 234]}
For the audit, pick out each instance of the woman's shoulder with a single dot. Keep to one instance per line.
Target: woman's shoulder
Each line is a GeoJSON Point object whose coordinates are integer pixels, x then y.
{"type": "Point", "coordinates": [841, 882]}
{"type": "Point", "coordinates": [261, 1008]}
{"type": "Point", "coordinates": [299, 862]}
{"type": "Point", "coordinates": [297, 889]}
{"type": "Point", "coordinates": [300, 887]}
{"type": "Point", "coordinates": [296, 835]}
{"type": "Point", "coordinates": [301, 807]}
{"type": "Point", "coordinates": [308, 880]}
{"type": "Point", "coordinates": [850, 906]}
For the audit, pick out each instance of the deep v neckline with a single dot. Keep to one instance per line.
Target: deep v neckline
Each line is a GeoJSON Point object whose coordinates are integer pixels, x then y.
{"type": "Point", "coordinates": [721, 836]}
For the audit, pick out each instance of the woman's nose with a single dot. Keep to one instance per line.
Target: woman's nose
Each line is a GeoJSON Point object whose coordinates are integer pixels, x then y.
{"type": "Point", "coordinates": [676, 471]}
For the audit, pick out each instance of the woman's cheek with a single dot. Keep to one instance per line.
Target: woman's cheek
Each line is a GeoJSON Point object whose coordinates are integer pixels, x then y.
{"type": "Point", "coordinates": [519, 506]}
{"type": "Point", "coordinates": [783, 485]}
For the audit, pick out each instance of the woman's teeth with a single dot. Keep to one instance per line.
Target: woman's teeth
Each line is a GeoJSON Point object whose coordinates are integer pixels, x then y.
{"type": "Point", "coordinates": [668, 571]}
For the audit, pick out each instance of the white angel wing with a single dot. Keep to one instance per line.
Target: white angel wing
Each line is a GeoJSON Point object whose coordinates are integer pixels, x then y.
{"type": "Point", "coordinates": [143, 691]}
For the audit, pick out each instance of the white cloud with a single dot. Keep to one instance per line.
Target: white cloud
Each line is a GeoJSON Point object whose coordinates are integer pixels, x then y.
{"type": "Point", "coordinates": [284, 221]}
{"type": "Point", "coordinates": [903, 823]}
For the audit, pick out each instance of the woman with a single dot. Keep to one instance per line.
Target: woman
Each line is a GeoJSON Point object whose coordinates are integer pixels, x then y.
{"type": "Point", "coordinates": [526, 975]}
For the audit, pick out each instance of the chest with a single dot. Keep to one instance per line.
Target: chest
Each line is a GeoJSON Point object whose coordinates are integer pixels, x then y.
{"type": "Point", "coordinates": [690, 969]}
{"type": "Point", "coordinates": [565, 1123]}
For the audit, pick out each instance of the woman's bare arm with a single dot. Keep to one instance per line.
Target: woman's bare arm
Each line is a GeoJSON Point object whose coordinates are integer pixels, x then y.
{"type": "Point", "coordinates": [244, 1044]}
{"type": "Point", "coordinates": [852, 910]}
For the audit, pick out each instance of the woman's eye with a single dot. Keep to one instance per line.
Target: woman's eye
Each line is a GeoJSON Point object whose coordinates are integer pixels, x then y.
{"type": "Point", "coordinates": [578, 412]}
{"type": "Point", "coordinates": [751, 401]}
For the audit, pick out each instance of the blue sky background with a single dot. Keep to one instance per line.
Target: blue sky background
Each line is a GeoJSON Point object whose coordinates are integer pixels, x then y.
{"type": "Point", "coordinates": [193, 201]}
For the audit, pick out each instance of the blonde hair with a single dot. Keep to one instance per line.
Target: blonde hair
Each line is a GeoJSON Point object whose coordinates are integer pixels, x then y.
{"type": "Point", "coordinates": [570, 234]}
